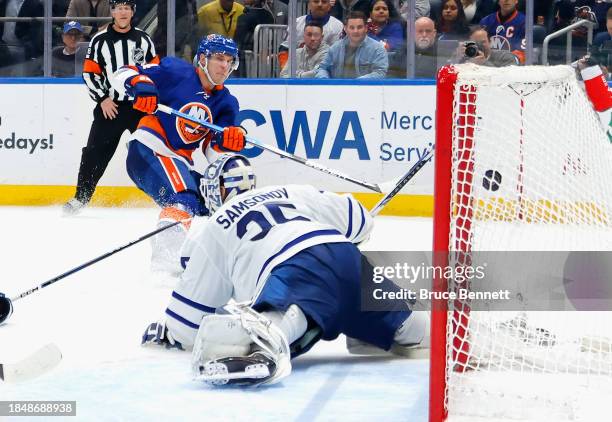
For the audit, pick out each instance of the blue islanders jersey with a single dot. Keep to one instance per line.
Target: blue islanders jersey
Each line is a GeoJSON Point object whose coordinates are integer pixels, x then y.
{"type": "Point", "coordinates": [508, 35]}
{"type": "Point", "coordinates": [179, 87]}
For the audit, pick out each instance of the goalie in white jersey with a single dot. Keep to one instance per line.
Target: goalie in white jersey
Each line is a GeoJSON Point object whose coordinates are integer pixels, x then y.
{"type": "Point", "coordinates": [286, 257]}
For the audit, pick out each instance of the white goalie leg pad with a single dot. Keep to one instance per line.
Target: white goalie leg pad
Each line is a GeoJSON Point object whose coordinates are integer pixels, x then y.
{"type": "Point", "coordinates": [414, 330]}
{"type": "Point", "coordinates": [220, 336]}
{"type": "Point", "coordinates": [239, 334]}
{"type": "Point", "coordinates": [412, 337]}
{"type": "Point", "coordinates": [292, 322]}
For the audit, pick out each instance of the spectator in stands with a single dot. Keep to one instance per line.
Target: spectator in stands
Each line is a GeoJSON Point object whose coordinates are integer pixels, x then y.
{"type": "Point", "coordinates": [475, 10]}
{"type": "Point", "coordinates": [318, 10]}
{"type": "Point", "coordinates": [602, 37]}
{"type": "Point", "coordinates": [63, 56]}
{"type": "Point", "coordinates": [599, 8]}
{"type": "Point", "coordinates": [311, 55]}
{"type": "Point", "coordinates": [341, 8]}
{"type": "Point", "coordinates": [542, 10]}
{"type": "Point", "coordinates": [421, 9]}
{"type": "Point", "coordinates": [185, 37]}
{"type": "Point", "coordinates": [486, 56]}
{"type": "Point", "coordinates": [506, 28]}
{"type": "Point", "coordinates": [254, 14]}
{"type": "Point", "coordinates": [583, 12]}
{"type": "Point", "coordinates": [356, 55]}
{"type": "Point", "coordinates": [23, 41]}
{"type": "Point", "coordinates": [425, 48]}
{"type": "Point", "coordinates": [452, 24]}
{"type": "Point", "coordinates": [602, 44]}
{"type": "Point", "coordinates": [385, 25]}
{"type": "Point", "coordinates": [565, 15]}
{"type": "Point", "coordinates": [58, 8]}
{"type": "Point", "coordinates": [93, 8]}
{"type": "Point", "coordinates": [279, 10]}
{"type": "Point", "coordinates": [220, 17]}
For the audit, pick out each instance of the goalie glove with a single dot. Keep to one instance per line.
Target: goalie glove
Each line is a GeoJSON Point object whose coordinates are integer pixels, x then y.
{"type": "Point", "coordinates": [144, 92]}
{"type": "Point", "coordinates": [157, 333]}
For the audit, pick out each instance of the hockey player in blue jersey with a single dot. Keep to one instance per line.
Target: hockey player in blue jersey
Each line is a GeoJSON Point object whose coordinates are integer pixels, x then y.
{"type": "Point", "coordinates": [161, 152]}
{"type": "Point", "coordinates": [286, 258]}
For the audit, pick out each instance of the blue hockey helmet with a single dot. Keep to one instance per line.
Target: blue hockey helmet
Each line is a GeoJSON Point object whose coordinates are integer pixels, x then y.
{"type": "Point", "coordinates": [218, 44]}
{"type": "Point", "coordinates": [233, 172]}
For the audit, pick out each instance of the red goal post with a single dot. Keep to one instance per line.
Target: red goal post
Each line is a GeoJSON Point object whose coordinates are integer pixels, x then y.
{"type": "Point", "coordinates": [531, 130]}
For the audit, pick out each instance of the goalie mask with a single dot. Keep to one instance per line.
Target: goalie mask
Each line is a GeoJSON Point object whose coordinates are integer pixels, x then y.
{"type": "Point", "coordinates": [232, 172]}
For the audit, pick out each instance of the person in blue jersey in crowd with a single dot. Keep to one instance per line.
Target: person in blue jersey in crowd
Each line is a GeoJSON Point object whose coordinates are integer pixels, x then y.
{"type": "Point", "coordinates": [506, 28]}
{"type": "Point", "coordinates": [161, 152]}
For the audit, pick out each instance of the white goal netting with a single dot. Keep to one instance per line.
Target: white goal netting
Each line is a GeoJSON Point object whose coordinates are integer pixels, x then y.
{"type": "Point", "coordinates": [531, 171]}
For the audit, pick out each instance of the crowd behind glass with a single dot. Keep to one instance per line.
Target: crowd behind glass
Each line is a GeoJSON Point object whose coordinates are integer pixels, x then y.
{"type": "Point", "coordinates": [329, 38]}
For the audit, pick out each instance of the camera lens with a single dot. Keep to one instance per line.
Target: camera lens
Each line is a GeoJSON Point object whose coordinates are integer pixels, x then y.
{"type": "Point", "coordinates": [471, 49]}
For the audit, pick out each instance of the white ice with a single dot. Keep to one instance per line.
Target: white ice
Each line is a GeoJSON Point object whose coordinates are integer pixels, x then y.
{"type": "Point", "coordinates": [97, 316]}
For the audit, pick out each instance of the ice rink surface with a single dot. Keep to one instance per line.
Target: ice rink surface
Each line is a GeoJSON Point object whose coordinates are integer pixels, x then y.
{"type": "Point", "coordinates": [97, 316]}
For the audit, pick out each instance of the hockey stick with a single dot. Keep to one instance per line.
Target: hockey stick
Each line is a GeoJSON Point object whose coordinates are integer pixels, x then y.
{"type": "Point", "coordinates": [427, 156]}
{"type": "Point", "coordinates": [372, 186]}
{"type": "Point", "coordinates": [6, 306]}
{"type": "Point", "coordinates": [39, 362]}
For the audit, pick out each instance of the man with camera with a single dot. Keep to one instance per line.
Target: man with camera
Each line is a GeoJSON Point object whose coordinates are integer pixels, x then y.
{"type": "Point", "coordinates": [478, 51]}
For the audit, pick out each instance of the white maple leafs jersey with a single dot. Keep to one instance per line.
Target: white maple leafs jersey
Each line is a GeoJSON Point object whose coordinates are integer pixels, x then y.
{"type": "Point", "coordinates": [231, 255]}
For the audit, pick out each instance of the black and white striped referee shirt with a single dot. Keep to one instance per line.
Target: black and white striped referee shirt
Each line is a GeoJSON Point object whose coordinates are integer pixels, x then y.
{"type": "Point", "coordinates": [107, 52]}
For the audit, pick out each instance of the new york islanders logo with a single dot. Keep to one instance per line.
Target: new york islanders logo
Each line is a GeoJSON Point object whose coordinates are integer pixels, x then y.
{"type": "Point", "coordinates": [501, 39]}
{"type": "Point", "coordinates": [191, 132]}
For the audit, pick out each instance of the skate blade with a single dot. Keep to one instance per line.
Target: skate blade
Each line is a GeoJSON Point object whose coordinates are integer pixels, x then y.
{"type": "Point", "coordinates": [216, 373]}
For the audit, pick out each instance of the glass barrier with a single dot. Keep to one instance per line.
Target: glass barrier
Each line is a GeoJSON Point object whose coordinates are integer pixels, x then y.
{"type": "Point", "coordinates": [396, 39]}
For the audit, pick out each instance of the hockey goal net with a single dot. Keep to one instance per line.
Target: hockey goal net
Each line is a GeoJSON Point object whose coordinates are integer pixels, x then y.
{"type": "Point", "coordinates": [522, 164]}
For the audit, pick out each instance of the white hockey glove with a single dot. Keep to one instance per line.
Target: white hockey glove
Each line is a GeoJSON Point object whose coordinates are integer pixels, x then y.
{"type": "Point", "coordinates": [157, 333]}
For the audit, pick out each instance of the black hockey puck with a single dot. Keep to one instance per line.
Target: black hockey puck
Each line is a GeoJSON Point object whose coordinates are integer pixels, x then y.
{"type": "Point", "coordinates": [6, 308]}
{"type": "Point", "coordinates": [491, 180]}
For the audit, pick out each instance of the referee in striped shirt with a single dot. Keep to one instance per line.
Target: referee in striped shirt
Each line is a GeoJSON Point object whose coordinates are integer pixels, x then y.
{"type": "Point", "coordinates": [118, 45]}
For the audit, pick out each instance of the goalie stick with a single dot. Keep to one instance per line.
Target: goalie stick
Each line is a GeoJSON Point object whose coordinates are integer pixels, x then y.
{"type": "Point", "coordinates": [36, 364]}
{"type": "Point", "coordinates": [308, 163]}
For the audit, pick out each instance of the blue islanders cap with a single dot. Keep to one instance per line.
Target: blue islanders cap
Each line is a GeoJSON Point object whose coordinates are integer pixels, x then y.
{"type": "Point", "coordinates": [68, 26]}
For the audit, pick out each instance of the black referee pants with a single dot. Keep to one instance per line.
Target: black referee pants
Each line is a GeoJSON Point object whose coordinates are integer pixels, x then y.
{"type": "Point", "coordinates": [101, 145]}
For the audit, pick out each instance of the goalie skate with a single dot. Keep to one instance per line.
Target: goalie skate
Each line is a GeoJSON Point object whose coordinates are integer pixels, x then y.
{"type": "Point", "coordinates": [254, 369]}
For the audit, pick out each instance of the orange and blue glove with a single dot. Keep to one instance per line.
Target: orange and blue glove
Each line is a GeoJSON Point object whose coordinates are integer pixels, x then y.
{"type": "Point", "coordinates": [231, 139]}
{"type": "Point", "coordinates": [144, 92]}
